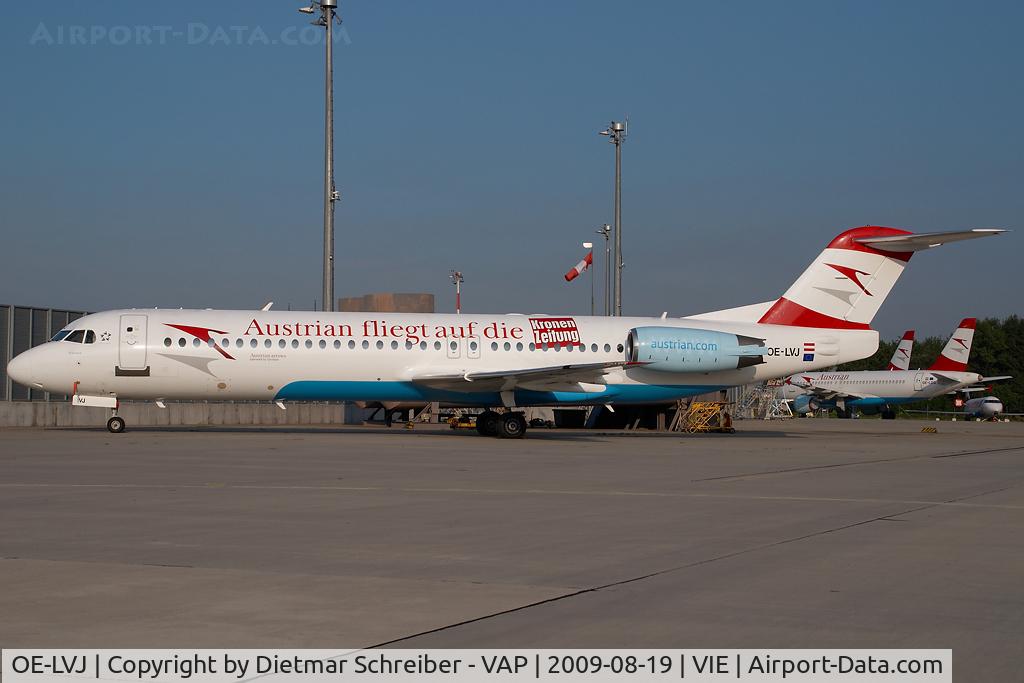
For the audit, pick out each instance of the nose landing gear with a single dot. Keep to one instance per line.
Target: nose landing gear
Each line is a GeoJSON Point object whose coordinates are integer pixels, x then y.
{"type": "Point", "coordinates": [115, 425]}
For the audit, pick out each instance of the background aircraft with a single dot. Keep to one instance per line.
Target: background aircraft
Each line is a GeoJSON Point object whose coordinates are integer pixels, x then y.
{"type": "Point", "coordinates": [480, 360]}
{"type": "Point", "coordinates": [881, 391]}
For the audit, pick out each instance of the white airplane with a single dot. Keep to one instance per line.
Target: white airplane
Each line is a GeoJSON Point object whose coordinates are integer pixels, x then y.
{"type": "Point", "coordinates": [984, 407]}
{"type": "Point", "coordinates": [901, 356]}
{"type": "Point", "coordinates": [480, 360]}
{"type": "Point", "coordinates": [879, 391]}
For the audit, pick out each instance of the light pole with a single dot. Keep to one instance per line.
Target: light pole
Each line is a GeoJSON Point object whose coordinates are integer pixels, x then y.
{"type": "Point", "coordinates": [590, 246]}
{"type": "Point", "coordinates": [616, 133]}
{"type": "Point", "coordinates": [457, 280]}
{"type": "Point", "coordinates": [606, 231]}
{"type": "Point", "coordinates": [328, 15]}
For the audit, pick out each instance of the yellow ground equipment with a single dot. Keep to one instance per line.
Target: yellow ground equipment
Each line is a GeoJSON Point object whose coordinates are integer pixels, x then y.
{"type": "Point", "coordinates": [703, 416]}
{"type": "Point", "coordinates": [462, 421]}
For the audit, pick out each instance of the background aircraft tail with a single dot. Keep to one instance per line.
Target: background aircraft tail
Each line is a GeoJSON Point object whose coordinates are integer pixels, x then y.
{"type": "Point", "coordinates": [957, 351]}
{"type": "Point", "coordinates": [901, 357]}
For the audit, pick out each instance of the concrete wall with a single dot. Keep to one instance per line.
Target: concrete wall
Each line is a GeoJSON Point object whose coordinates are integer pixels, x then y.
{"type": "Point", "coordinates": [39, 414]}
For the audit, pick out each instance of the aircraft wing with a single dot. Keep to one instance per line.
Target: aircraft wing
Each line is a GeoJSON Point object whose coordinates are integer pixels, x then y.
{"type": "Point", "coordinates": [830, 394]}
{"type": "Point", "coordinates": [945, 378]}
{"type": "Point", "coordinates": [583, 377]}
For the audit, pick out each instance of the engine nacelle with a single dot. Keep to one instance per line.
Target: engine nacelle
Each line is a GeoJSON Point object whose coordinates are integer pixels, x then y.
{"type": "Point", "coordinates": [804, 404]}
{"type": "Point", "coordinates": [685, 349]}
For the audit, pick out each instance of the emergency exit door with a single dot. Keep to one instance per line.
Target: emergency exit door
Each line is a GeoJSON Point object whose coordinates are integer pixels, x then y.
{"type": "Point", "coordinates": [132, 343]}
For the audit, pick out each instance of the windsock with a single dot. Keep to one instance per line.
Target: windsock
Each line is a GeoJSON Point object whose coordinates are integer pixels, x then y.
{"type": "Point", "coordinates": [901, 357]}
{"type": "Point", "coordinates": [574, 273]}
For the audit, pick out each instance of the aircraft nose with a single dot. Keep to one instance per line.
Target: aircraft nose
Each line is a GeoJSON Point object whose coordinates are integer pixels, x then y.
{"type": "Point", "coordinates": [20, 369]}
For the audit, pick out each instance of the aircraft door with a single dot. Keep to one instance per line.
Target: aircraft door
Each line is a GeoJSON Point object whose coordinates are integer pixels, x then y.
{"type": "Point", "coordinates": [919, 381]}
{"type": "Point", "coordinates": [131, 352]}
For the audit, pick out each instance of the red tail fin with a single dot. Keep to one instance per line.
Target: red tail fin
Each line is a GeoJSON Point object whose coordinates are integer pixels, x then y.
{"type": "Point", "coordinates": [958, 349]}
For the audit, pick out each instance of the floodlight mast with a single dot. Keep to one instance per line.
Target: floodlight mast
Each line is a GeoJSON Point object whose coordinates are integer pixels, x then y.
{"type": "Point", "coordinates": [616, 133]}
{"type": "Point", "coordinates": [328, 15]}
{"type": "Point", "coordinates": [457, 280]}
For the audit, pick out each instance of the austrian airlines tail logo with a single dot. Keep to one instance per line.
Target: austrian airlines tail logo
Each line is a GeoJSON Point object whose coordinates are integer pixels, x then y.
{"type": "Point", "coordinates": [203, 334]}
{"type": "Point", "coordinates": [851, 274]}
{"type": "Point", "coordinates": [904, 352]}
{"type": "Point", "coordinates": [961, 342]}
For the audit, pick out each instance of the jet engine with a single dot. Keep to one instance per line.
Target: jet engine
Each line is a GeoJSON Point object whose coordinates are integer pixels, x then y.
{"type": "Point", "coordinates": [804, 404]}
{"type": "Point", "coordinates": [684, 349]}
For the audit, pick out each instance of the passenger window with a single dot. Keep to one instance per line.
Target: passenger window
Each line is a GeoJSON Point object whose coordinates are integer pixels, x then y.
{"type": "Point", "coordinates": [351, 344]}
{"type": "Point", "coordinates": [607, 348]}
{"type": "Point", "coordinates": [423, 346]}
{"type": "Point", "coordinates": [309, 343]}
{"type": "Point", "coordinates": [295, 343]}
{"type": "Point", "coordinates": [323, 344]}
{"type": "Point", "coordinates": [76, 337]}
{"type": "Point", "coordinates": [394, 345]}
{"type": "Point", "coordinates": [380, 345]}
{"type": "Point", "coordinates": [90, 337]}
{"type": "Point", "coordinates": [181, 341]}
{"type": "Point", "coordinates": [366, 344]}
{"type": "Point", "coordinates": [281, 343]}
{"type": "Point", "coordinates": [472, 346]}
{"type": "Point", "coordinates": [167, 341]}
{"type": "Point", "coordinates": [437, 346]}
{"type": "Point", "coordinates": [252, 343]}
{"type": "Point", "coordinates": [508, 346]}
{"type": "Point", "coordinates": [494, 346]}
{"type": "Point", "coordinates": [519, 346]}
{"type": "Point", "coordinates": [267, 343]}
{"type": "Point", "coordinates": [337, 343]}
{"type": "Point", "coordinates": [238, 343]}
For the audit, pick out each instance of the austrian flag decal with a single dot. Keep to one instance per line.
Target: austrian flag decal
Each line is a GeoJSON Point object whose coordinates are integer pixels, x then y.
{"type": "Point", "coordinates": [555, 331]}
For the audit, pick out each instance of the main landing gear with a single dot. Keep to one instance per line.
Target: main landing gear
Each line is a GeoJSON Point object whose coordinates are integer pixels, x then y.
{"type": "Point", "coordinates": [502, 425]}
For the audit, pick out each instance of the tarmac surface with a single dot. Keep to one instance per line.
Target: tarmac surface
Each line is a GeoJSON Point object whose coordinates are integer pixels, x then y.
{"type": "Point", "coordinates": [801, 534]}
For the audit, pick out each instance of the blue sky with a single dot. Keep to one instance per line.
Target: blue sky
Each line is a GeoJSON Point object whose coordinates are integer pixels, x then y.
{"type": "Point", "coordinates": [186, 170]}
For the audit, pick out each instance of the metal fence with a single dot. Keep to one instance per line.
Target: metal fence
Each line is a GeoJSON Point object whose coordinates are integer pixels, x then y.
{"type": "Point", "coordinates": [21, 328]}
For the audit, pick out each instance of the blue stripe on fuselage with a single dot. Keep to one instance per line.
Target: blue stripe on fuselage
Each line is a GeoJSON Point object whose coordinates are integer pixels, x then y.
{"type": "Point", "coordinates": [315, 390]}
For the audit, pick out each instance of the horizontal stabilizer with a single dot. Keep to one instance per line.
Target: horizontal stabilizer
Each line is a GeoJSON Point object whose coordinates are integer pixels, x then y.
{"type": "Point", "coordinates": [924, 240]}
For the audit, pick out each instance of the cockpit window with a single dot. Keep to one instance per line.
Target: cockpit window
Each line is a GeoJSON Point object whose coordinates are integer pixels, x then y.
{"type": "Point", "coordinates": [60, 335]}
{"type": "Point", "coordinates": [90, 337]}
{"type": "Point", "coordinates": [77, 336]}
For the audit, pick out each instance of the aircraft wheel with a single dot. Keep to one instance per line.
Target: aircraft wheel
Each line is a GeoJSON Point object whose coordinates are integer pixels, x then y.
{"type": "Point", "coordinates": [487, 423]}
{"type": "Point", "coordinates": [889, 415]}
{"type": "Point", "coordinates": [512, 426]}
{"type": "Point", "coordinates": [115, 425]}
{"type": "Point", "coordinates": [843, 413]}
